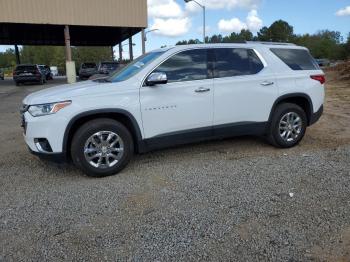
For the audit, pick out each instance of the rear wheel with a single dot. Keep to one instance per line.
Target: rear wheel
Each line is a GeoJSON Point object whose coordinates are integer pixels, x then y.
{"type": "Point", "coordinates": [288, 125]}
{"type": "Point", "coordinates": [102, 147]}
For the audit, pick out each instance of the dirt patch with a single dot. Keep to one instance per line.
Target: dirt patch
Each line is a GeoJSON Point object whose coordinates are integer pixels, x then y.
{"type": "Point", "coordinates": [333, 129]}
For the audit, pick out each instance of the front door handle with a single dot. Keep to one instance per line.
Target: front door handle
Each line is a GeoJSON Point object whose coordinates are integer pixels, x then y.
{"type": "Point", "coordinates": [267, 83]}
{"type": "Point", "coordinates": [202, 90]}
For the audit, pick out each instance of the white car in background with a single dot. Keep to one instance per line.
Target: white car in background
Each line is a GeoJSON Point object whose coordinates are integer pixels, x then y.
{"type": "Point", "coordinates": [54, 70]}
{"type": "Point", "coordinates": [175, 96]}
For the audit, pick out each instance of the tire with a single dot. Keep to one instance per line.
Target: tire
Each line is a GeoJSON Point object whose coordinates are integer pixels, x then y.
{"type": "Point", "coordinates": [278, 134]}
{"type": "Point", "coordinates": [86, 138]}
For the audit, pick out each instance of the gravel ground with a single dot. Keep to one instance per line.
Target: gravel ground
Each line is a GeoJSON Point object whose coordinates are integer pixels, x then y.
{"type": "Point", "coordinates": [232, 200]}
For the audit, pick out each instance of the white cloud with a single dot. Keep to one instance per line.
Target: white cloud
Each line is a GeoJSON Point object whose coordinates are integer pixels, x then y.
{"type": "Point", "coordinates": [171, 27]}
{"type": "Point", "coordinates": [168, 17]}
{"type": "Point", "coordinates": [164, 9]}
{"type": "Point", "coordinates": [223, 4]}
{"type": "Point", "coordinates": [232, 25]}
{"type": "Point", "coordinates": [344, 11]}
{"type": "Point", "coordinates": [253, 23]}
{"type": "Point", "coordinates": [172, 20]}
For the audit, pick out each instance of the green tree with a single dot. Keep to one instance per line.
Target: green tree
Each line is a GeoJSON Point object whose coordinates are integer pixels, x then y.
{"type": "Point", "coordinates": [279, 31]}
{"type": "Point", "coordinates": [323, 44]}
{"type": "Point", "coordinates": [7, 58]}
{"type": "Point", "coordinates": [55, 55]}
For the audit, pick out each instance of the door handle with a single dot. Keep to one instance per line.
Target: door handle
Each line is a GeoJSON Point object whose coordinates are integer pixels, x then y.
{"type": "Point", "coordinates": [267, 83]}
{"type": "Point", "coordinates": [202, 90]}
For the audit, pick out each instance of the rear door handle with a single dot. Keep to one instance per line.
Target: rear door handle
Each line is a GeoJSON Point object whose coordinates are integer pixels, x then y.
{"type": "Point", "coordinates": [202, 90]}
{"type": "Point", "coordinates": [267, 83]}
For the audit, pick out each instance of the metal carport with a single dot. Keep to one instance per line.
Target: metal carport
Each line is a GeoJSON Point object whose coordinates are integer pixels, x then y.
{"type": "Point", "coordinates": [71, 22]}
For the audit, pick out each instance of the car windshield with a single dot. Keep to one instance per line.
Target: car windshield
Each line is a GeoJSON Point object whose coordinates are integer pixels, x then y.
{"type": "Point", "coordinates": [134, 67]}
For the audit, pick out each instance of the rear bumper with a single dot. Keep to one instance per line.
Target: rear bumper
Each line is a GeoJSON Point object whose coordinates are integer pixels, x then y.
{"type": "Point", "coordinates": [27, 78]}
{"type": "Point", "coordinates": [316, 116]}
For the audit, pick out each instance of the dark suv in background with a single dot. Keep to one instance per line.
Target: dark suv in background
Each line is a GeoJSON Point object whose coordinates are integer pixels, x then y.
{"type": "Point", "coordinates": [28, 73]}
{"type": "Point", "coordinates": [86, 70]}
{"type": "Point", "coordinates": [47, 71]}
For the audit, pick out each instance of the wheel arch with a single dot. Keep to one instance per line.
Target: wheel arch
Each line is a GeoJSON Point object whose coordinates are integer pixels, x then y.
{"type": "Point", "coordinates": [301, 99]}
{"type": "Point", "coordinates": [123, 116]}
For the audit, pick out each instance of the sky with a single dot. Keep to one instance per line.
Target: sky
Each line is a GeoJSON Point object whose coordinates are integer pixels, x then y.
{"type": "Point", "coordinates": [176, 20]}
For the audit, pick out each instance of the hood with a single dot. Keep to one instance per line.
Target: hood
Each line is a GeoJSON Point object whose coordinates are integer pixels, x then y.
{"type": "Point", "coordinates": [63, 92]}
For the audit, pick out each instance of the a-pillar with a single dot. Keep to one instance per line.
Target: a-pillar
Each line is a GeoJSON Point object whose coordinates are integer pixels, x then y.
{"type": "Point", "coordinates": [70, 65]}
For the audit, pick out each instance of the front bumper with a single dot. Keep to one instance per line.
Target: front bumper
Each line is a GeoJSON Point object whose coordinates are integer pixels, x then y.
{"type": "Point", "coordinates": [48, 128]}
{"type": "Point", "coordinates": [86, 74]}
{"type": "Point", "coordinates": [53, 157]}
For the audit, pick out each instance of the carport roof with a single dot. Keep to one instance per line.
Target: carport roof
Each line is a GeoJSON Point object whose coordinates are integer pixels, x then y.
{"type": "Point", "coordinates": [91, 22]}
{"type": "Point", "coordinates": [46, 34]}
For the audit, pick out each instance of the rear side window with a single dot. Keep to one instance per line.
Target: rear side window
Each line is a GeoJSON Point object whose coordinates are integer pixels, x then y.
{"type": "Point", "coordinates": [296, 59]}
{"type": "Point", "coordinates": [186, 66]}
{"type": "Point", "coordinates": [236, 62]}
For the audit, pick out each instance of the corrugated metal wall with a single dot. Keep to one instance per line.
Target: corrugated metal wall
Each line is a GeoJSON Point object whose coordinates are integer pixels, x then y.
{"type": "Point", "coordinates": [126, 13]}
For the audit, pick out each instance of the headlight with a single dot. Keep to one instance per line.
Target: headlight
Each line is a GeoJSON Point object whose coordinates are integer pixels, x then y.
{"type": "Point", "coordinates": [47, 109]}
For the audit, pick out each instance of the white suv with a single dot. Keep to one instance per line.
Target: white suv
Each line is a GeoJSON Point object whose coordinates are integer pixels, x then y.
{"type": "Point", "coordinates": [174, 96]}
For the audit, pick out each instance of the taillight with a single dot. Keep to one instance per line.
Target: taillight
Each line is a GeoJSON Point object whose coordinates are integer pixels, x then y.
{"type": "Point", "coordinates": [14, 72]}
{"type": "Point", "coordinates": [319, 78]}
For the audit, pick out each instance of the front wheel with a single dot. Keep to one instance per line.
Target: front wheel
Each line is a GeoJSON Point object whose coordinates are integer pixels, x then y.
{"type": "Point", "coordinates": [288, 125]}
{"type": "Point", "coordinates": [102, 147]}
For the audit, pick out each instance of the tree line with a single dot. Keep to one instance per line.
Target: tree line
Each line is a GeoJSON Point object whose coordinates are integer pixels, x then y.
{"type": "Point", "coordinates": [323, 44]}
{"type": "Point", "coordinates": [54, 56]}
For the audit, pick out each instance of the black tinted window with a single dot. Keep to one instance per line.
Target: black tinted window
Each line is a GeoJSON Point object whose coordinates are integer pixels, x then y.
{"type": "Point", "coordinates": [236, 62]}
{"type": "Point", "coordinates": [26, 67]}
{"type": "Point", "coordinates": [296, 59]}
{"type": "Point", "coordinates": [186, 66]}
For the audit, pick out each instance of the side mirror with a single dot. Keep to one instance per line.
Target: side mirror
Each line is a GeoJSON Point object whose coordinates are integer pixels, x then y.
{"type": "Point", "coordinates": [156, 79]}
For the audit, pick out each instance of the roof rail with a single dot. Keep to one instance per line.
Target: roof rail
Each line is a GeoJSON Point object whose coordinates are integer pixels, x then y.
{"type": "Point", "coordinates": [269, 43]}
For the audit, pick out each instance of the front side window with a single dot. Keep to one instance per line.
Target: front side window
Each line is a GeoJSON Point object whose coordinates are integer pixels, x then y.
{"type": "Point", "coordinates": [236, 62]}
{"type": "Point", "coordinates": [186, 66]}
